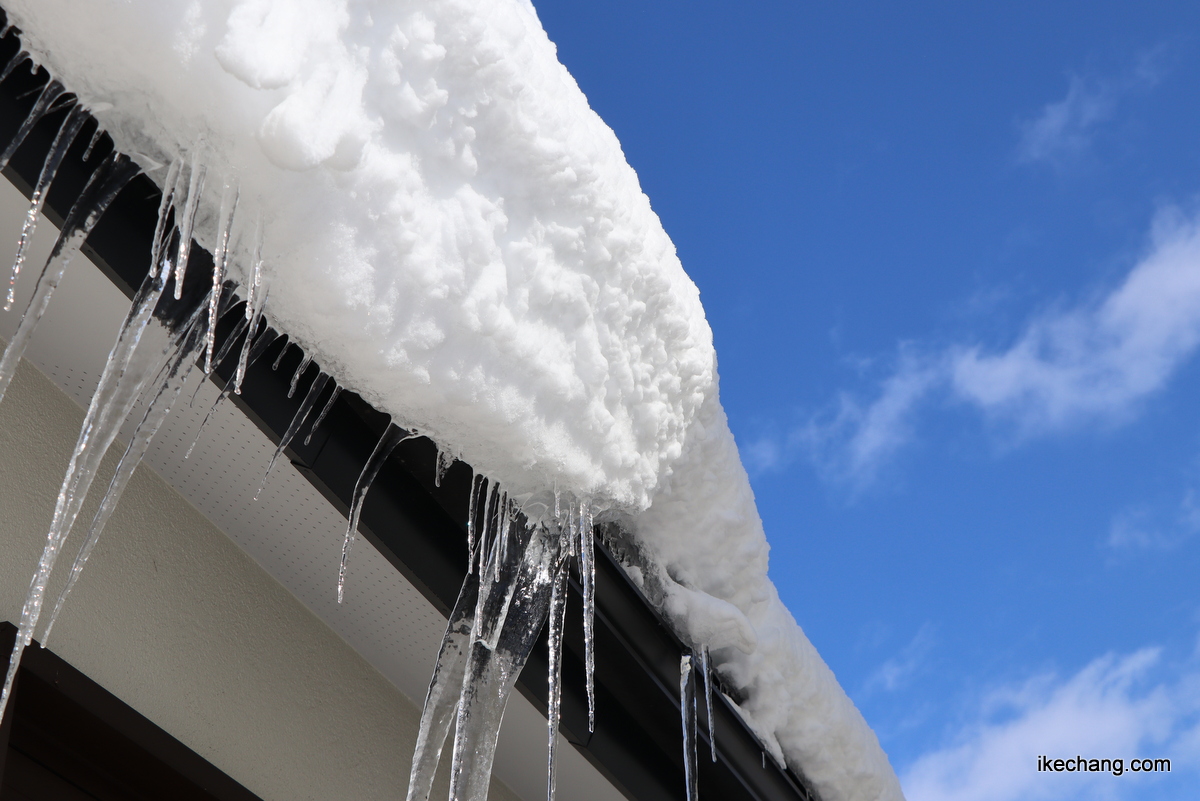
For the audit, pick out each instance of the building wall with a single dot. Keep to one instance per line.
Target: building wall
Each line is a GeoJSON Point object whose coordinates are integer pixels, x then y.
{"type": "Point", "coordinates": [178, 622]}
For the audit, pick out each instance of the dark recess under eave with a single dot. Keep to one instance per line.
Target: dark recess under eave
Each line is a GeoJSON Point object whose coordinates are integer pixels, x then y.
{"type": "Point", "coordinates": [420, 527]}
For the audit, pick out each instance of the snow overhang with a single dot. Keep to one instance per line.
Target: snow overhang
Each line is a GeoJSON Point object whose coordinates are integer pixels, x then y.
{"type": "Point", "coordinates": [419, 527]}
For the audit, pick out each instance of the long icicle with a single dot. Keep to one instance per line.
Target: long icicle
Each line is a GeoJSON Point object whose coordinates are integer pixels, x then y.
{"type": "Point", "coordinates": [104, 185]}
{"type": "Point", "coordinates": [472, 501]}
{"type": "Point", "coordinates": [255, 303]}
{"type": "Point", "coordinates": [120, 384]}
{"type": "Point", "coordinates": [383, 449]}
{"type": "Point", "coordinates": [184, 344]}
{"type": "Point", "coordinates": [337, 390]}
{"type": "Point", "coordinates": [587, 570]}
{"type": "Point", "coordinates": [162, 234]}
{"type": "Point", "coordinates": [187, 220]}
{"type": "Point", "coordinates": [557, 621]}
{"type": "Point", "coordinates": [514, 602]}
{"type": "Point", "coordinates": [58, 149]}
{"type": "Point", "coordinates": [229, 202]}
{"type": "Point", "coordinates": [687, 719]}
{"type": "Point", "coordinates": [306, 407]}
{"type": "Point", "coordinates": [445, 686]}
{"type": "Point", "coordinates": [51, 92]}
{"type": "Point", "coordinates": [706, 669]}
{"type": "Point", "coordinates": [304, 363]}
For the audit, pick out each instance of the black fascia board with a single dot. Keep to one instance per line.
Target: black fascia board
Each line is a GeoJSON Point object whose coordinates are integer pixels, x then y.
{"type": "Point", "coordinates": [418, 525]}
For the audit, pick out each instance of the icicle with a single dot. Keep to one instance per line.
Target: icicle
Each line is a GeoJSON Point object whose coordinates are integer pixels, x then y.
{"type": "Point", "coordinates": [706, 669]}
{"type": "Point", "coordinates": [514, 600]}
{"type": "Point", "coordinates": [255, 315]}
{"type": "Point", "coordinates": [177, 370]}
{"type": "Point", "coordinates": [16, 61]}
{"type": "Point", "coordinates": [51, 92]}
{"type": "Point", "coordinates": [476, 484]}
{"type": "Point", "coordinates": [687, 717]}
{"type": "Point", "coordinates": [188, 219]}
{"type": "Point", "coordinates": [337, 390]}
{"type": "Point", "coordinates": [58, 149]}
{"type": "Point", "coordinates": [260, 346]}
{"type": "Point", "coordinates": [121, 382]}
{"type": "Point", "coordinates": [441, 701]}
{"type": "Point", "coordinates": [104, 185]}
{"type": "Point", "coordinates": [505, 526]}
{"type": "Point", "coordinates": [558, 617]}
{"type": "Point", "coordinates": [587, 571]}
{"type": "Point", "coordinates": [162, 235]}
{"type": "Point", "coordinates": [383, 449]}
{"type": "Point", "coordinates": [229, 201]}
{"type": "Point", "coordinates": [444, 460]}
{"type": "Point", "coordinates": [306, 406]}
{"type": "Point", "coordinates": [238, 329]}
{"type": "Point", "coordinates": [279, 358]}
{"type": "Point", "coordinates": [304, 363]}
{"type": "Point", "coordinates": [87, 153]}
{"type": "Point", "coordinates": [256, 301]}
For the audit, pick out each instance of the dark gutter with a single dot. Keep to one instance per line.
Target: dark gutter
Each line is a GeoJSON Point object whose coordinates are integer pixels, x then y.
{"type": "Point", "coordinates": [420, 527]}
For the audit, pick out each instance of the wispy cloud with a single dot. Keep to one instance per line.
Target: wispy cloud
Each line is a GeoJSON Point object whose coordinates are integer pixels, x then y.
{"type": "Point", "coordinates": [1064, 129]}
{"type": "Point", "coordinates": [850, 442]}
{"type": "Point", "coordinates": [1145, 528]}
{"type": "Point", "coordinates": [897, 671]}
{"type": "Point", "coordinates": [1099, 359]}
{"type": "Point", "coordinates": [1091, 363]}
{"type": "Point", "coordinates": [1113, 708]}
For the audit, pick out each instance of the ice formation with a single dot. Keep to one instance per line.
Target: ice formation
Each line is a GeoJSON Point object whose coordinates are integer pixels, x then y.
{"type": "Point", "coordinates": [443, 224]}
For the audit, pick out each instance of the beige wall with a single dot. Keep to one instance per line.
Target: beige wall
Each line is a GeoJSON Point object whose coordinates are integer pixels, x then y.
{"type": "Point", "coordinates": [178, 622]}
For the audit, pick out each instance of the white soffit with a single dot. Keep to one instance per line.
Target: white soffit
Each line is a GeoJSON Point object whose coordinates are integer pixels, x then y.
{"type": "Point", "coordinates": [291, 530]}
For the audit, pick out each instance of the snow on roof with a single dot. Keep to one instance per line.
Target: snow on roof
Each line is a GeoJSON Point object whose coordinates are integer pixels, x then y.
{"type": "Point", "coordinates": [454, 234]}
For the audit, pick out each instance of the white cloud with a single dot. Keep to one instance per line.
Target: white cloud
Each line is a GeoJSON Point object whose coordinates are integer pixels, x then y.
{"type": "Point", "coordinates": [895, 673]}
{"type": "Point", "coordinates": [1099, 359]}
{"type": "Point", "coordinates": [1095, 362]}
{"type": "Point", "coordinates": [1143, 528]}
{"type": "Point", "coordinates": [849, 442]}
{"type": "Point", "coordinates": [1064, 129]}
{"type": "Point", "coordinates": [1109, 710]}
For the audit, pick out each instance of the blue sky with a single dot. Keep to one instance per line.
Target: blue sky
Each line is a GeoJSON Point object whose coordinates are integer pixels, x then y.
{"type": "Point", "coordinates": [951, 257]}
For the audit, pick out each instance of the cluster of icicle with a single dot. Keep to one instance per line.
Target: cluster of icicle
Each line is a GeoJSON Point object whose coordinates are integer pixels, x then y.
{"type": "Point", "coordinates": [517, 579]}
